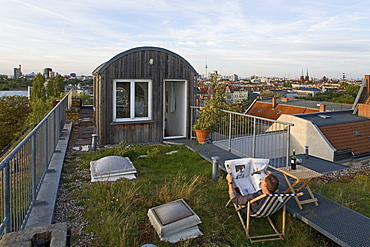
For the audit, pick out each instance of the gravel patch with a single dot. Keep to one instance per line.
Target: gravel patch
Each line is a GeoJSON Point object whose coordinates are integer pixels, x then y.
{"type": "Point", "coordinates": [349, 173]}
{"type": "Point", "coordinates": [68, 206]}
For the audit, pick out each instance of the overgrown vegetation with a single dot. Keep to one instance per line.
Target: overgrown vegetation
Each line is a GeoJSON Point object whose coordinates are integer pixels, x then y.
{"type": "Point", "coordinates": [343, 192]}
{"type": "Point", "coordinates": [13, 112]}
{"type": "Point", "coordinates": [117, 211]}
{"type": "Point", "coordinates": [6, 84]}
{"type": "Point", "coordinates": [209, 115]}
{"type": "Point", "coordinates": [87, 99]}
{"type": "Point", "coordinates": [346, 96]}
{"type": "Point", "coordinates": [18, 113]}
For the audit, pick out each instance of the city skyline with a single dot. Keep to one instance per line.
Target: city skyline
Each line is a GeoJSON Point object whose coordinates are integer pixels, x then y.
{"type": "Point", "coordinates": [271, 38]}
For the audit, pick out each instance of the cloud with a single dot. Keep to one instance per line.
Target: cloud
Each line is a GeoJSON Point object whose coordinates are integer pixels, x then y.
{"type": "Point", "coordinates": [243, 37]}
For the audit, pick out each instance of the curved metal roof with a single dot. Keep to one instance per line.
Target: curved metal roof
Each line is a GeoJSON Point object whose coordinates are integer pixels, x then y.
{"type": "Point", "coordinates": [102, 67]}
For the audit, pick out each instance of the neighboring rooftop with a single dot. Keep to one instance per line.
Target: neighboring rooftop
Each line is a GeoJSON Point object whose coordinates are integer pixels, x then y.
{"type": "Point", "coordinates": [354, 136]}
{"type": "Point", "coordinates": [310, 104]}
{"type": "Point", "coordinates": [275, 107]}
{"type": "Point", "coordinates": [347, 133]}
{"type": "Point", "coordinates": [332, 118]}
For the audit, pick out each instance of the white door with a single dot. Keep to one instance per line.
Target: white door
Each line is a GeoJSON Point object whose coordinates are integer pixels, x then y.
{"type": "Point", "coordinates": [175, 102]}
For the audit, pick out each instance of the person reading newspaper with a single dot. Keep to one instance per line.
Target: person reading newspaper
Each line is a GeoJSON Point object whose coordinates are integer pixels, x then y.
{"type": "Point", "coordinates": [269, 185]}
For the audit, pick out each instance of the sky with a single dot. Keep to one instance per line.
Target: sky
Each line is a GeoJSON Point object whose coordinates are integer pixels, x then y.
{"type": "Point", "coordinates": [245, 37]}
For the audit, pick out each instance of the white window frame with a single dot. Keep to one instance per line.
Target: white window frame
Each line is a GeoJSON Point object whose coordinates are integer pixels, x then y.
{"type": "Point", "coordinates": [132, 99]}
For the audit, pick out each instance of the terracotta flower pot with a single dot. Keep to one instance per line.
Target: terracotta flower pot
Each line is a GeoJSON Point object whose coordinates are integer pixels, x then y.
{"type": "Point", "coordinates": [202, 136]}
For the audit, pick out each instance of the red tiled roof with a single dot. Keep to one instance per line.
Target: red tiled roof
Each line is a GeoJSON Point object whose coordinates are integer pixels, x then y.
{"type": "Point", "coordinates": [204, 89]}
{"type": "Point", "coordinates": [265, 110]}
{"type": "Point", "coordinates": [343, 136]}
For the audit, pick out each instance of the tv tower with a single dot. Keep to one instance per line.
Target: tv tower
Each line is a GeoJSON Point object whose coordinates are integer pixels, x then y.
{"type": "Point", "coordinates": [206, 71]}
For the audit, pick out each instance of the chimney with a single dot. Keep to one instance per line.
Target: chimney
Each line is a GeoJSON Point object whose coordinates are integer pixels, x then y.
{"type": "Point", "coordinates": [273, 103]}
{"type": "Point", "coordinates": [322, 107]}
{"type": "Point", "coordinates": [284, 99]}
{"type": "Point", "coordinates": [306, 147]}
{"type": "Point", "coordinates": [367, 78]}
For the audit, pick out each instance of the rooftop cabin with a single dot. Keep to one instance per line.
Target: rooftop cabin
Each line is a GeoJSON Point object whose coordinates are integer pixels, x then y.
{"type": "Point", "coordinates": [143, 95]}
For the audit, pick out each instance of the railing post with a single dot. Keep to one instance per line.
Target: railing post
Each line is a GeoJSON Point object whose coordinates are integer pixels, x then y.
{"type": "Point", "coordinates": [288, 147]}
{"type": "Point", "coordinates": [192, 117]}
{"type": "Point", "coordinates": [254, 139]}
{"type": "Point", "coordinates": [46, 143]}
{"type": "Point", "coordinates": [56, 131]}
{"type": "Point", "coordinates": [7, 202]}
{"type": "Point", "coordinates": [230, 131]}
{"type": "Point", "coordinates": [34, 174]}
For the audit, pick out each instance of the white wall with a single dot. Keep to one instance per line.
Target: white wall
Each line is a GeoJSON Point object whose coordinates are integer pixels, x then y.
{"type": "Point", "coordinates": [304, 133]}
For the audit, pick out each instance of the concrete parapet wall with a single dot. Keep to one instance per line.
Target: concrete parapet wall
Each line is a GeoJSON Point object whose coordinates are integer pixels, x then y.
{"type": "Point", "coordinates": [49, 235]}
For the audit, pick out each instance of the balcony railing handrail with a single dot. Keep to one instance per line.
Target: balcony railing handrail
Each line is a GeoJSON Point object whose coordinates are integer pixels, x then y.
{"type": "Point", "coordinates": [23, 169]}
{"type": "Point", "coordinates": [251, 136]}
{"type": "Point", "coordinates": [256, 117]}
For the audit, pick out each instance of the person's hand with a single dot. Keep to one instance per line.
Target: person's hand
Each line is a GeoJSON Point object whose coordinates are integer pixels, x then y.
{"type": "Point", "coordinates": [267, 172]}
{"type": "Point", "coordinates": [229, 177]}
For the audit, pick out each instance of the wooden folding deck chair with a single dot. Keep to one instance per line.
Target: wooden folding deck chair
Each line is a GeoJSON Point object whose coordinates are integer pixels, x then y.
{"type": "Point", "coordinates": [269, 204]}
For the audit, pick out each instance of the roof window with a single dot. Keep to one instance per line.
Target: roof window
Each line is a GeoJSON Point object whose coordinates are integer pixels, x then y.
{"type": "Point", "coordinates": [259, 110]}
{"type": "Point", "coordinates": [356, 132]}
{"type": "Point", "coordinates": [323, 116]}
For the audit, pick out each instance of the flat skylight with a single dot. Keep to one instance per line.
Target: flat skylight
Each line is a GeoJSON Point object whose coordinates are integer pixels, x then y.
{"type": "Point", "coordinates": [323, 116]}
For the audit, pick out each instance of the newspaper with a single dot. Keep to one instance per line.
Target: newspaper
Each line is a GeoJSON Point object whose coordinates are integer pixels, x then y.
{"type": "Point", "coordinates": [247, 173]}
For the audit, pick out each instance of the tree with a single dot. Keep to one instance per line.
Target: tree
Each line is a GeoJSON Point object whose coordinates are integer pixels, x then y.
{"type": "Point", "coordinates": [267, 93]}
{"type": "Point", "coordinates": [87, 99]}
{"type": "Point", "coordinates": [247, 102]}
{"type": "Point", "coordinates": [39, 110]}
{"type": "Point", "coordinates": [287, 84]}
{"type": "Point", "coordinates": [59, 84]}
{"type": "Point", "coordinates": [347, 96]}
{"type": "Point", "coordinates": [13, 113]}
{"type": "Point", "coordinates": [38, 89]}
{"type": "Point", "coordinates": [50, 88]}
{"type": "Point", "coordinates": [55, 87]}
{"type": "Point", "coordinates": [38, 103]}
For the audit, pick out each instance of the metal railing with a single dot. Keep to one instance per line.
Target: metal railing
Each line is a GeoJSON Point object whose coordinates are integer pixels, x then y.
{"type": "Point", "coordinates": [23, 169]}
{"type": "Point", "coordinates": [251, 136]}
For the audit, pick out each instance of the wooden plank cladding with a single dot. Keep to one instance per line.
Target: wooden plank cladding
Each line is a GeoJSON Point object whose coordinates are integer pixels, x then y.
{"type": "Point", "coordinates": [147, 67]}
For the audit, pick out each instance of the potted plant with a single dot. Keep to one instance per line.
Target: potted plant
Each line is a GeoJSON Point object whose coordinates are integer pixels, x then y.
{"type": "Point", "coordinates": [207, 119]}
{"type": "Point", "coordinates": [205, 123]}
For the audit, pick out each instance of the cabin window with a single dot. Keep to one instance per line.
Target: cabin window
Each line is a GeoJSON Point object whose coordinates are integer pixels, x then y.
{"type": "Point", "coordinates": [131, 100]}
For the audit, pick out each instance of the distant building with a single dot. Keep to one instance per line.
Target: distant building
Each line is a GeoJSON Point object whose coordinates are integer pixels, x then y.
{"type": "Point", "coordinates": [240, 94]}
{"type": "Point", "coordinates": [18, 72]}
{"type": "Point", "coordinates": [48, 73]}
{"type": "Point", "coordinates": [337, 132]}
{"type": "Point", "coordinates": [305, 91]}
{"type": "Point", "coordinates": [234, 77]}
